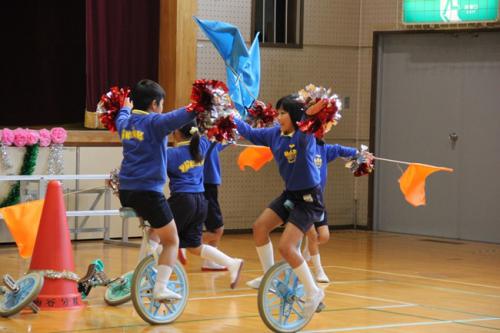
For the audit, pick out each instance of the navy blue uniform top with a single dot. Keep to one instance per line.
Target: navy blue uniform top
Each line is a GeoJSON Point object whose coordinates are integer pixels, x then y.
{"type": "Point", "coordinates": [325, 153]}
{"type": "Point", "coordinates": [144, 140]}
{"type": "Point", "coordinates": [186, 175]}
{"type": "Point", "coordinates": [293, 153]}
{"type": "Point", "coordinates": [211, 170]}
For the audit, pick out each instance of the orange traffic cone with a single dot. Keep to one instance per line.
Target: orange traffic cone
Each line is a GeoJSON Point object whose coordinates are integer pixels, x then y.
{"type": "Point", "coordinates": [53, 252]}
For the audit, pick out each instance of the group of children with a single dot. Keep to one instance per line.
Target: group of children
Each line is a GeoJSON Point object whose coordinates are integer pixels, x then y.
{"type": "Point", "coordinates": [192, 166]}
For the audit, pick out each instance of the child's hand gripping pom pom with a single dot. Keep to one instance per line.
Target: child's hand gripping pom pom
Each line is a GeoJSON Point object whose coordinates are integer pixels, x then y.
{"type": "Point", "coordinates": [109, 106]}
{"type": "Point", "coordinates": [214, 110]}
{"type": "Point", "coordinates": [261, 115]}
{"type": "Point", "coordinates": [362, 163]}
{"type": "Point", "coordinates": [323, 110]}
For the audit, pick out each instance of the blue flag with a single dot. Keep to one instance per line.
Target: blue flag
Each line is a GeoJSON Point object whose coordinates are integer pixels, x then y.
{"type": "Point", "coordinates": [242, 64]}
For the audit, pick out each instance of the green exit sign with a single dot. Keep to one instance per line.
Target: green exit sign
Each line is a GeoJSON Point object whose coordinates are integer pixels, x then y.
{"type": "Point", "coordinates": [449, 11]}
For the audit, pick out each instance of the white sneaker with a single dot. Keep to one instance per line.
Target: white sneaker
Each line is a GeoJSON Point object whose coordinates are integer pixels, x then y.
{"type": "Point", "coordinates": [234, 272]}
{"type": "Point", "coordinates": [165, 294]}
{"type": "Point", "coordinates": [312, 302]}
{"type": "Point", "coordinates": [255, 283]}
{"type": "Point", "coordinates": [321, 276]}
{"type": "Point", "coordinates": [306, 255]}
{"type": "Point", "coordinates": [210, 266]}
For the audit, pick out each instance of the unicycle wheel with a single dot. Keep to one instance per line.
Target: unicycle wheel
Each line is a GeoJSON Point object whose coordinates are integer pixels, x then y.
{"type": "Point", "coordinates": [280, 300]}
{"type": "Point", "coordinates": [118, 292]}
{"type": "Point", "coordinates": [19, 294]}
{"type": "Point", "coordinates": [143, 281]}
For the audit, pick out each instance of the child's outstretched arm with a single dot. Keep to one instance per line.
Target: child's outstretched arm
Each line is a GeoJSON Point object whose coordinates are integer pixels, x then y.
{"type": "Point", "coordinates": [257, 136]}
{"type": "Point", "coordinates": [336, 150]}
{"type": "Point", "coordinates": [168, 122]}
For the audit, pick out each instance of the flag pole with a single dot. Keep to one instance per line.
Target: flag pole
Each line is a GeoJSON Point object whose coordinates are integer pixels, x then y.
{"type": "Point", "coordinates": [242, 145]}
{"type": "Point", "coordinates": [409, 163]}
{"type": "Point", "coordinates": [391, 161]}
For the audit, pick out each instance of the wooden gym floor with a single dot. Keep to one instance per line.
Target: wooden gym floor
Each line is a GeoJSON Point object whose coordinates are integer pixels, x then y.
{"type": "Point", "coordinates": [382, 282]}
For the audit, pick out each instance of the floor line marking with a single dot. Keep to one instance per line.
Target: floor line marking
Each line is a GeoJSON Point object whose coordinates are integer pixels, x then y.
{"type": "Point", "coordinates": [391, 306]}
{"type": "Point", "coordinates": [424, 323]}
{"type": "Point", "coordinates": [369, 297]}
{"type": "Point", "coordinates": [415, 276]}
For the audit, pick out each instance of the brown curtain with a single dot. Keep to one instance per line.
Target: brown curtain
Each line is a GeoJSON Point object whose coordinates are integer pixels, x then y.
{"type": "Point", "coordinates": [121, 44]}
{"type": "Point", "coordinates": [43, 62]}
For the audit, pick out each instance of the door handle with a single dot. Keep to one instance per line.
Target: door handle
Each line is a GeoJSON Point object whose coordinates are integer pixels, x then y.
{"type": "Point", "coordinates": [453, 139]}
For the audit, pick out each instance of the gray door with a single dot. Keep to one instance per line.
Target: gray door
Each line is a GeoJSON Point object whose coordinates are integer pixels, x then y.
{"type": "Point", "coordinates": [431, 87]}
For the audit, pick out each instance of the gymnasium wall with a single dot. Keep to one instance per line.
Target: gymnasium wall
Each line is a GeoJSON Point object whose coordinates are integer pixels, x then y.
{"type": "Point", "coordinates": [329, 58]}
{"type": "Point", "coordinates": [337, 53]}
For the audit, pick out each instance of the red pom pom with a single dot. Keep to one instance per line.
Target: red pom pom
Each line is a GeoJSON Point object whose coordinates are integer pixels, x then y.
{"type": "Point", "coordinates": [110, 104]}
{"type": "Point", "coordinates": [202, 94]}
{"type": "Point", "coordinates": [361, 164]}
{"type": "Point", "coordinates": [214, 110]}
{"type": "Point", "coordinates": [315, 124]}
{"type": "Point", "coordinates": [261, 115]}
{"type": "Point", "coordinates": [224, 130]}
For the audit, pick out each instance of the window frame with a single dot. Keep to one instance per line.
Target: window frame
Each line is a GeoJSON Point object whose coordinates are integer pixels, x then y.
{"type": "Point", "coordinates": [299, 45]}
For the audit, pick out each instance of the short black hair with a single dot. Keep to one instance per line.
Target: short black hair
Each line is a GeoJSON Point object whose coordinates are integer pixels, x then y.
{"type": "Point", "coordinates": [145, 92]}
{"type": "Point", "coordinates": [294, 106]}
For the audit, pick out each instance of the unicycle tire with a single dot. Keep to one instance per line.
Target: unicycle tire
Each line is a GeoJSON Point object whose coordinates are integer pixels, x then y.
{"type": "Point", "coordinates": [143, 281]}
{"type": "Point", "coordinates": [280, 300]}
{"type": "Point", "coordinates": [118, 292]}
{"type": "Point", "coordinates": [29, 287]}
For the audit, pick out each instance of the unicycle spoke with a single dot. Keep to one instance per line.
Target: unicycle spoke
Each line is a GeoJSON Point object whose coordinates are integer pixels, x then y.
{"type": "Point", "coordinates": [299, 314]}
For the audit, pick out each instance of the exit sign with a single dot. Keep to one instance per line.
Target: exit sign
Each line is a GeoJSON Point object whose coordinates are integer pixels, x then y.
{"type": "Point", "coordinates": [449, 11]}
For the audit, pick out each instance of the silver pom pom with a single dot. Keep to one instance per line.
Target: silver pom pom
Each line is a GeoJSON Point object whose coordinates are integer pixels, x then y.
{"type": "Point", "coordinates": [56, 161]}
{"type": "Point", "coordinates": [4, 156]}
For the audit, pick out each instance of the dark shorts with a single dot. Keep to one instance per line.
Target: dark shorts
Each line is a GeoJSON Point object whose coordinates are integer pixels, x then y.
{"type": "Point", "coordinates": [190, 210]}
{"type": "Point", "coordinates": [301, 208]}
{"type": "Point", "coordinates": [214, 214]}
{"type": "Point", "coordinates": [150, 205]}
{"type": "Point", "coordinates": [323, 222]}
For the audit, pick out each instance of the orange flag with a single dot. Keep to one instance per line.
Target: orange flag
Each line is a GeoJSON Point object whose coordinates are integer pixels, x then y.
{"type": "Point", "coordinates": [23, 220]}
{"type": "Point", "coordinates": [412, 182]}
{"type": "Point", "coordinates": [254, 157]}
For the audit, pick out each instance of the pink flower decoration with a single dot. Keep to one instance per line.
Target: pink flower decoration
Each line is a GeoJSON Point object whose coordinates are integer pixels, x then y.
{"type": "Point", "coordinates": [20, 137]}
{"type": "Point", "coordinates": [7, 136]}
{"type": "Point", "coordinates": [58, 135]}
{"type": "Point", "coordinates": [44, 138]}
{"type": "Point", "coordinates": [33, 137]}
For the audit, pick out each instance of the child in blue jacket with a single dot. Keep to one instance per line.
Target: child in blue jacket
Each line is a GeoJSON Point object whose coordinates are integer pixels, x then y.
{"type": "Point", "coordinates": [300, 204]}
{"type": "Point", "coordinates": [143, 132]}
{"type": "Point", "coordinates": [187, 198]}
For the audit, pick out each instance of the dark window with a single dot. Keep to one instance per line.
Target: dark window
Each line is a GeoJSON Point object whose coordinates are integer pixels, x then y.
{"type": "Point", "coordinates": [279, 22]}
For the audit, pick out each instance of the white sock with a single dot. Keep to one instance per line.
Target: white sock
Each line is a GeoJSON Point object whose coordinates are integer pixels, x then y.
{"type": "Point", "coordinates": [153, 245]}
{"type": "Point", "coordinates": [316, 260]}
{"type": "Point", "coordinates": [217, 256]}
{"type": "Point", "coordinates": [266, 256]}
{"type": "Point", "coordinates": [164, 272]}
{"type": "Point", "coordinates": [306, 278]}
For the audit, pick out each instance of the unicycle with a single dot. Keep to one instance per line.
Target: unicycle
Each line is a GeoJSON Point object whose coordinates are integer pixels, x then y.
{"type": "Point", "coordinates": [143, 281]}
{"type": "Point", "coordinates": [16, 295]}
{"type": "Point", "coordinates": [280, 300]}
{"type": "Point", "coordinates": [118, 291]}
